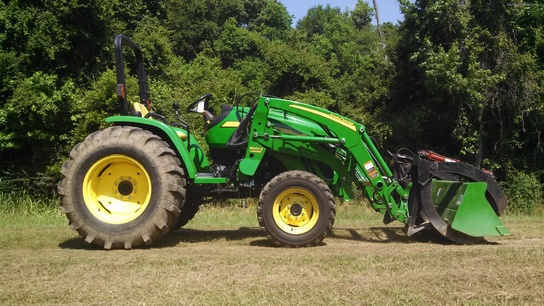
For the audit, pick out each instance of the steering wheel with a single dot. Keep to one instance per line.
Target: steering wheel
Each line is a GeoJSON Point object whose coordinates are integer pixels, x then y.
{"type": "Point", "coordinates": [194, 107]}
{"type": "Point", "coordinates": [239, 108]}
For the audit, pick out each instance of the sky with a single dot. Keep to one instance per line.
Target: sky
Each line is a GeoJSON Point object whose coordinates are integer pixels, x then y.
{"type": "Point", "coordinates": [388, 9]}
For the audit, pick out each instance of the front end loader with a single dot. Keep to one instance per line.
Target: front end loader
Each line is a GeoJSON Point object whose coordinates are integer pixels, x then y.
{"type": "Point", "coordinates": [128, 185]}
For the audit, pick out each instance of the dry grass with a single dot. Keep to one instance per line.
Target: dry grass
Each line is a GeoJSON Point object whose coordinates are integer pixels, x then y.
{"type": "Point", "coordinates": [223, 258]}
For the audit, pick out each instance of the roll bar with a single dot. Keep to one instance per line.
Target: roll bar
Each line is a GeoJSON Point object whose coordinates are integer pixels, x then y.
{"type": "Point", "coordinates": [121, 41]}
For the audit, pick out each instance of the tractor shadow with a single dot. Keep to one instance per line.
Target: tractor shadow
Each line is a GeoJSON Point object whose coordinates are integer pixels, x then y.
{"type": "Point", "coordinates": [256, 237]}
{"type": "Point", "coordinates": [371, 234]}
{"type": "Point", "coordinates": [78, 243]}
{"type": "Point", "coordinates": [387, 234]}
{"type": "Point", "coordinates": [175, 238]}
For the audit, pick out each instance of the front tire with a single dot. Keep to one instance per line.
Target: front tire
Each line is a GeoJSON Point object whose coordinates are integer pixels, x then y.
{"type": "Point", "coordinates": [123, 187]}
{"type": "Point", "coordinates": [296, 208]}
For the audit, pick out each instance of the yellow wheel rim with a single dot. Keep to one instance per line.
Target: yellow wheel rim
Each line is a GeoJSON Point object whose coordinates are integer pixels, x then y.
{"type": "Point", "coordinates": [295, 211]}
{"type": "Point", "coordinates": [116, 189]}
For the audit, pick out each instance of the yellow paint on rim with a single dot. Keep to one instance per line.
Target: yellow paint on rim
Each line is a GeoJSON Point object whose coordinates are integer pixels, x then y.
{"type": "Point", "coordinates": [116, 189]}
{"type": "Point", "coordinates": [295, 211]}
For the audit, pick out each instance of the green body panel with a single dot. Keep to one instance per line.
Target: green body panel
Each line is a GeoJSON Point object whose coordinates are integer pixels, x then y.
{"type": "Point", "coordinates": [464, 207]}
{"type": "Point", "coordinates": [300, 146]}
{"type": "Point", "coordinates": [218, 135]}
{"type": "Point", "coordinates": [193, 158]}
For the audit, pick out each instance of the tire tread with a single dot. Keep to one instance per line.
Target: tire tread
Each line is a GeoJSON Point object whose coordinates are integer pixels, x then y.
{"type": "Point", "coordinates": [296, 174]}
{"type": "Point", "coordinates": [170, 174]}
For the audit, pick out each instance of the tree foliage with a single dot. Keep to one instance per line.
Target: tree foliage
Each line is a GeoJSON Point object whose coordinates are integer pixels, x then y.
{"type": "Point", "coordinates": [459, 65]}
{"type": "Point", "coordinates": [464, 78]}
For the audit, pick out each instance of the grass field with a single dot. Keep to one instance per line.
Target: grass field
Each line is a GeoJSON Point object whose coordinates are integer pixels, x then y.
{"type": "Point", "coordinates": [222, 258]}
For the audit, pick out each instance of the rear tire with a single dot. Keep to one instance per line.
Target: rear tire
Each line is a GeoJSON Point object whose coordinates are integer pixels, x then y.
{"type": "Point", "coordinates": [188, 212]}
{"type": "Point", "coordinates": [123, 187]}
{"type": "Point", "coordinates": [296, 208]}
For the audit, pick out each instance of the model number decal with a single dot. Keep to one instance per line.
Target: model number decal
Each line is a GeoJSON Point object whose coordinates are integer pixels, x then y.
{"type": "Point", "coordinates": [256, 150]}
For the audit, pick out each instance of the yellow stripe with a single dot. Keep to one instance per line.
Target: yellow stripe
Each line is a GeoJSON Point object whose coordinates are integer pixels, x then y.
{"type": "Point", "coordinates": [332, 117]}
{"type": "Point", "coordinates": [230, 124]}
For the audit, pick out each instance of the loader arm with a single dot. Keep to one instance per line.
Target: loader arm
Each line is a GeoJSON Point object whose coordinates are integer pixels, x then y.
{"type": "Point", "coordinates": [362, 164]}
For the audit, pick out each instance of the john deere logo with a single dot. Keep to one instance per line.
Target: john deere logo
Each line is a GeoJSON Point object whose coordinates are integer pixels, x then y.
{"type": "Point", "coordinates": [343, 121]}
{"type": "Point", "coordinates": [331, 116]}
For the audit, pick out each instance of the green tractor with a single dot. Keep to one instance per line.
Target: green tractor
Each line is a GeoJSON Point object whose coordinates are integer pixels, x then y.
{"type": "Point", "coordinates": [128, 185]}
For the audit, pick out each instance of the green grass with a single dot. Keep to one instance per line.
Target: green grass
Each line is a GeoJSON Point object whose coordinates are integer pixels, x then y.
{"type": "Point", "coordinates": [21, 203]}
{"type": "Point", "coordinates": [223, 258]}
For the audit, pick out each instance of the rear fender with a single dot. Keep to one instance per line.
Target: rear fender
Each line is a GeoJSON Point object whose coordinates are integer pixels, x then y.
{"type": "Point", "coordinates": [193, 161]}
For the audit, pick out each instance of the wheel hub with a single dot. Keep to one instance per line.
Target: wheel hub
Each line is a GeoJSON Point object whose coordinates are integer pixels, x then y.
{"type": "Point", "coordinates": [295, 214]}
{"type": "Point", "coordinates": [296, 209]}
{"type": "Point", "coordinates": [125, 188]}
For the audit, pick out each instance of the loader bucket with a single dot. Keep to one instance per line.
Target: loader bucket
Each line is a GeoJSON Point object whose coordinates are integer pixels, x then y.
{"type": "Point", "coordinates": [464, 208]}
{"type": "Point", "coordinates": [457, 200]}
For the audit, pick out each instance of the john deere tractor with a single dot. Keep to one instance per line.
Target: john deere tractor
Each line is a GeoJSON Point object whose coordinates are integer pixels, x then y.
{"type": "Point", "coordinates": [128, 185]}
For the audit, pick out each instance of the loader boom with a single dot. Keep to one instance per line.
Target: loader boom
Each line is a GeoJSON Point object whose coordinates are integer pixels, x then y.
{"type": "Point", "coordinates": [362, 158]}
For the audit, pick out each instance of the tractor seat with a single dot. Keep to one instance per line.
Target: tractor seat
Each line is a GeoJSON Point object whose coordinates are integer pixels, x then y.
{"type": "Point", "coordinates": [181, 135]}
{"type": "Point", "coordinates": [138, 107]}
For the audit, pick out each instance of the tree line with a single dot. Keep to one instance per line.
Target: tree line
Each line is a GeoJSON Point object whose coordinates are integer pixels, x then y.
{"type": "Point", "coordinates": [463, 78]}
